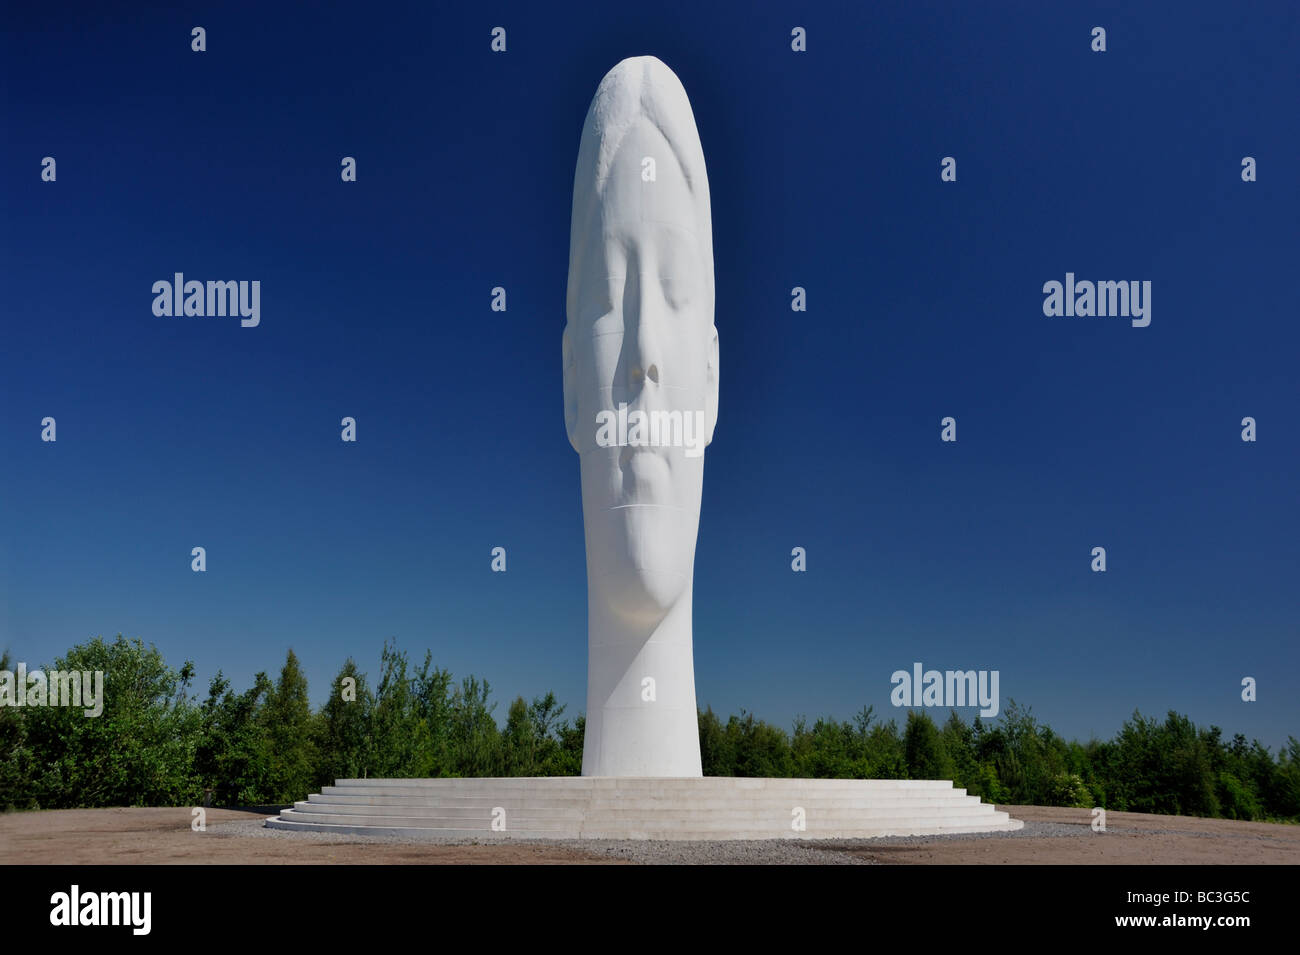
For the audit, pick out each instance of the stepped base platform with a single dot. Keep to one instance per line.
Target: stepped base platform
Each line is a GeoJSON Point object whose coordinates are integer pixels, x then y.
{"type": "Point", "coordinates": [604, 807]}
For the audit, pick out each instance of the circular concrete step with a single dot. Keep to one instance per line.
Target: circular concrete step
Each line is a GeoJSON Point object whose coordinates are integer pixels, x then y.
{"type": "Point", "coordinates": [713, 808]}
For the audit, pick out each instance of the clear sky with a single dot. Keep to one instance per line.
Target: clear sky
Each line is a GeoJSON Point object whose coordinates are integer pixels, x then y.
{"type": "Point", "coordinates": [924, 300]}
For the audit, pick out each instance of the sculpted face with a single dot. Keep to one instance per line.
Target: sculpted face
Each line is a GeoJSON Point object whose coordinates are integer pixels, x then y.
{"type": "Point", "coordinates": [640, 338]}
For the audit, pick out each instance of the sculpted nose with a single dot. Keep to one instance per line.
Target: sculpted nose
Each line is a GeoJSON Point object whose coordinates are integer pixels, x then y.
{"type": "Point", "coordinates": [643, 368]}
{"type": "Point", "coordinates": [644, 360]}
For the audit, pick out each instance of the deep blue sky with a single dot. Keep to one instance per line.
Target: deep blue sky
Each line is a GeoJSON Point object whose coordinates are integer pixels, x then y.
{"type": "Point", "coordinates": [925, 300]}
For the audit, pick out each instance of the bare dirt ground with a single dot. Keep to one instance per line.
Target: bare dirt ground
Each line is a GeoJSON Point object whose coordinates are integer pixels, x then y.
{"type": "Point", "coordinates": [1056, 836]}
{"type": "Point", "coordinates": [149, 836]}
{"type": "Point", "coordinates": [1051, 836]}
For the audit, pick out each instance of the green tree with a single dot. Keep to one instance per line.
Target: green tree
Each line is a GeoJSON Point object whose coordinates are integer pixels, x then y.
{"type": "Point", "coordinates": [138, 752]}
{"type": "Point", "coordinates": [17, 762]}
{"type": "Point", "coordinates": [924, 750]}
{"type": "Point", "coordinates": [760, 749]}
{"type": "Point", "coordinates": [401, 743]}
{"type": "Point", "coordinates": [290, 732]}
{"type": "Point", "coordinates": [519, 744]}
{"type": "Point", "coordinates": [549, 757]}
{"type": "Point", "coordinates": [958, 743]}
{"type": "Point", "coordinates": [474, 735]}
{"type": "Point", "coordinates": [344, 742]}
{"type": "Point", "coordinates": [232, 757]}
{"type": "Point", "coordinates": [432, 701]}
{"type": "Point", "coordinates": [569, 758]}
{"type": "Point", "coordinates": [1284, 795]}
{"type": "Point", "coordinates": [716, 757]}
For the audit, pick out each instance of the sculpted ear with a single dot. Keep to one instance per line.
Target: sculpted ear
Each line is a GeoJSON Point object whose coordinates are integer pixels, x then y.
{"type": "Point", "coordinates": [711, 388]}
{"type": "Point", "coordinates": [570, 388]}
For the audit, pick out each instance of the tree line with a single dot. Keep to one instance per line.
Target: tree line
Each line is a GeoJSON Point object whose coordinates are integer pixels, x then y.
{"type": "Point", "coordinates": [158, 744]}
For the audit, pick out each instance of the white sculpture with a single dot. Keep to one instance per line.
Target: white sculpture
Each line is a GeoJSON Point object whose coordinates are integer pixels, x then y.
{"type": "Point", "coordinates": [640, 402]}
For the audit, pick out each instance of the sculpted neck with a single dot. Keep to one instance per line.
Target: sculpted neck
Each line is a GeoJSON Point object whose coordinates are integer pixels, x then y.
{"type": "Point", "coordinates": [641, 715]}
{"type": "Point", "coordinates": [611, 626]}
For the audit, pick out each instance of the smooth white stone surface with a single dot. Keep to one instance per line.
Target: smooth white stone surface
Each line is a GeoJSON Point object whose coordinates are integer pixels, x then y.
{"type": "Point", "coordinates": [712, 808]}
{"type": "Point", "coordinates": [640, 332]}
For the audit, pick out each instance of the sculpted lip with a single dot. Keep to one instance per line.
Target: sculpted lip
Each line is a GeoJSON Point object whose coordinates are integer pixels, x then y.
{"type": "Point", "coordinates": [644, 470]}
{"type": "Point", "coordinates": [629, 451]}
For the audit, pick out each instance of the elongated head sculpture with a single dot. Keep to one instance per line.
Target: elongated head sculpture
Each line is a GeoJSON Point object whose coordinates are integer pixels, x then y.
{"type": "Point", "coordinates": [640, 403]}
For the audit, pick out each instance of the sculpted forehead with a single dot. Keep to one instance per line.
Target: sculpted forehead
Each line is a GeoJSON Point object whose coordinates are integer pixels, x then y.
{"type": "Point", "coordinates": [626, 201]}
{"type": "Point", "coordinates": [623, 221]}
{"type": "Point", "coordinates": [640, 227]}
